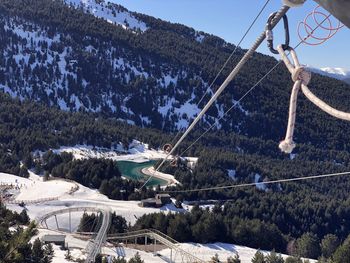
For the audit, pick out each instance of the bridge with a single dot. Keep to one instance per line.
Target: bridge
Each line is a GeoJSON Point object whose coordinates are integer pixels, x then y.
{"type": "Point", "coordinates": [160, 237]}
{"type": "Point", "coordinates": [94, 245]}
{"type": "Point", "coordinates": [93, 248]}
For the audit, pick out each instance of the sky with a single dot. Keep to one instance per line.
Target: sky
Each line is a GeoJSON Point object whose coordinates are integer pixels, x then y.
{"type": "Point", "coordinates": [229, 19]}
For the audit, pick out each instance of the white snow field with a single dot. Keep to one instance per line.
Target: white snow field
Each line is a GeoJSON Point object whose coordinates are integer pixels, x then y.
{"type": "Point", "coordinates": [30, 190]}
{"type": "Point", "coordinates": [34, 187]}
{"type": "Point", "coordinates": [137, 152]}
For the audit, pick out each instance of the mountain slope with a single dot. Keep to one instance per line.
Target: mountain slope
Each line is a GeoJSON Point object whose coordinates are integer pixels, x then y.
{"type": "Point", "coordinates": [336, 73]}
{"type": "Point", "coordinates": [148, 72]}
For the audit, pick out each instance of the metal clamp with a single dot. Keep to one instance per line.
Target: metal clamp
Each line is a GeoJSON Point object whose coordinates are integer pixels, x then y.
{"type": "Point", "coordinates": [269, 33]}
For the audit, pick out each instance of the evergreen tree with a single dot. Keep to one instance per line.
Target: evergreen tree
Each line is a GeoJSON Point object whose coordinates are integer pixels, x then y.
{"type": "Point", "coordinates": [215, 259]}
{"type": "Point", "coordinates": [119, 260]}
{"type": "Point", "coordinates": [136, 259]}
{"type": "Point", "coordinates": [293, 260]}
{"type": "Point", "coordinates": [234, 259]}
{"type": "Point", "coordinates": [49, 253]}
{"type": "Point", "coordinates": [38, 253]}
{"type": "Point", "coordinates": [329, 244]}
{"type": "Point", "coordinates": [308, 246]}
{"type": "Point", "coordinates": [24, 218]}
{"type": "Point", "coordinates": [258, 257]}
{"type": "Point", "coordinates": [342, 254]}
{"type": "Point", "coordinates": [274, 258]}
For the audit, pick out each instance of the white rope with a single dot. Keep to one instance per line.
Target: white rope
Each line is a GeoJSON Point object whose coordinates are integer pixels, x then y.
{"type": "Point", "coordinates": [301, 78]}
{"type": "Point", "coordinates": [223, 86]}
{"type": "Point", "coordinates": [324, 106]}
{"type": "Point", "coordinates": [261, 183]}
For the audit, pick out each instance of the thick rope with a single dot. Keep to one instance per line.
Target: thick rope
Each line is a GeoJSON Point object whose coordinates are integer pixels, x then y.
{"type": "Point", "coordinates": [301, 78]}
{"type": "Point", "coordinates": [223, 86]}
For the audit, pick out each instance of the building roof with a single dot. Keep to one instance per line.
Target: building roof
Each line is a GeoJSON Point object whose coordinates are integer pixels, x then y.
{"type": "Point", "coordinates": [53, 238]}
{"type": "Point", "coordinates": [163, 195]}
{"type": "Point", "coordinates": [149, 200]}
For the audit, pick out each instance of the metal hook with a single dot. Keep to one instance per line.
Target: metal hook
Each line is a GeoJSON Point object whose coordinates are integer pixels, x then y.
{"type": "Point", "coordinates": [269, 33]}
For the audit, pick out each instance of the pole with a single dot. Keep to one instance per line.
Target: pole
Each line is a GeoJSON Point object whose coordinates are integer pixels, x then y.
{"type": "Point", "coordinates": [57, 222]}
{"type": "Point", "coordinates": [70, 222]}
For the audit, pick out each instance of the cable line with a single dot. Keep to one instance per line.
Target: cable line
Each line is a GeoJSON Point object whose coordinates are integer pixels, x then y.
{"type": "Point", "coordinates": [231, 76]}
{"type": "Point", "coordinates": [272, 69]}
{"type": "Point", "coordinates": [233, 52]}
{"type": "Point", "coordinates": [260, 183]}
{"type": "Point", "coordinates": [225, 64]}
{"type": "Point", "coordinates": [253, 87]}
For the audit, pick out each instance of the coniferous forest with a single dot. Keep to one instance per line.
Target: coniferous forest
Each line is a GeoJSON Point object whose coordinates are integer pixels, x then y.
{"type": "Point", "coordinates": [74, 79]}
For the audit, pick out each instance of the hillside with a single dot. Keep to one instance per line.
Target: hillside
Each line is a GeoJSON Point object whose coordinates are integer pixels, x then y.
{"type": "Point", "coordinates": [103, 58]}
{"type": "Point", "coordinates": [93, 74]}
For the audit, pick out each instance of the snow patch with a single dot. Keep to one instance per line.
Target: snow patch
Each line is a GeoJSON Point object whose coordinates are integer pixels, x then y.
{"type": "Point", "coordinates": [232, 174]}
{"type": "Point", "coordinates": [336, 73]}
{"type": "Point", "coordinates": [109, 12]}
{"type": "Point", "coordinates": [259, 185]}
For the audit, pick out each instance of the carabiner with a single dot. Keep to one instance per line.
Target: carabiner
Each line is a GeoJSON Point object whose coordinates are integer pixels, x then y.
{"type": "Point", "coordinates": [269, 33]}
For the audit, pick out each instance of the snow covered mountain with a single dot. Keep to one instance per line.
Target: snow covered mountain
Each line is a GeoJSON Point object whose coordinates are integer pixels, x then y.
{"type": "Point", "coordinates": [336, 73]}
{"type": "Point", "coordinates": [105, 69]}
{"type": "Point", "coordinates": [109, 12]}
{"type": "Point", "coordinates": [95, 56]}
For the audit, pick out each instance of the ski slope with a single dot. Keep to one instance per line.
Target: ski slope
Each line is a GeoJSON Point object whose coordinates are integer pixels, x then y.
{"type": "Point", "coordinates": [34, 187]}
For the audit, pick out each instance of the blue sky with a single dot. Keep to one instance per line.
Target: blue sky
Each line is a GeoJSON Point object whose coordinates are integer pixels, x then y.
{"type": "Point", "coordinates": [230, 18]}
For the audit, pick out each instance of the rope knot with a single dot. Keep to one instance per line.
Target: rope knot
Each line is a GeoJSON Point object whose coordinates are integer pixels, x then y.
{"type": "Point", "coordinates": [300, 73]}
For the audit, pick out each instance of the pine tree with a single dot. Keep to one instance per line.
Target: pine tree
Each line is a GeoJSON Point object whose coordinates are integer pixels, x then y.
{"type": "Point", "coordinates": [49, 253]}
{"type": "Point", "coordinates": [119, 260]}
{"type": "Point", "coordinates": [234, 259]}
{"type": "Point", "coordinates": [342, 254]}
{"type": "Point", "coordinates": [274, 258]}
{"type": "Point", "coordinates": [215, 259]}
{"type": "Point", "coordinates": [38, 253]}
{"type": "Point", "coordinates": [136, 259]}
{"type": "Point", "coordinates": [258, 257]}
{"type": "Point", "coordinates": [24, 218]}
{"type": "Point", "coordinates": [328, 245]}
{"type": "Point", "coordinates": [308, 246]}
{"type": "Point", "coordinates": [293, 260]}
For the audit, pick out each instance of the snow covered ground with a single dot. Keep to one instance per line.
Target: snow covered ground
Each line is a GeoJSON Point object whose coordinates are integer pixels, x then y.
{"type": "Point", "coordinates": [109, 12]}
{"type": "Point", "coordinates": [31, 189]}
{"type": "Point", "coordinates": [224, 250]}
{"type": "Point", "coordinates": [202, 251]}
{"type": "Point", "coordinates": [34, 187]}
{"type": "Point", "coordinates": [136, 152]}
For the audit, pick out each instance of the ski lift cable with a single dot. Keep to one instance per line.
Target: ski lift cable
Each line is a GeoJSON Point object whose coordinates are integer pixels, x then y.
{"type": "Point", "coordinates": [252, 88]}
{"type": "Point", "coordinates": [233, 52]}
{"type": "Point", "coordinates": [233, 106]}
{"type": "Point", "coordinates": [225, 64]}
{"type": "Point", "coordinates": [295, 179]}
{"type": "Point", "coordinates": [224, 85]}
{"type": "Point", "coordinates": [276, 181]}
